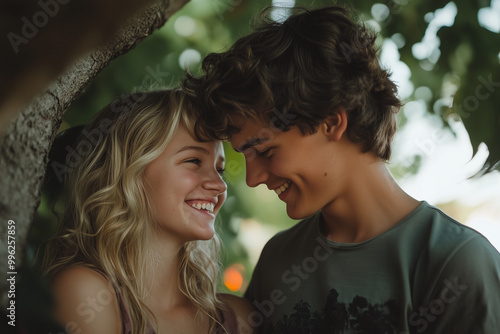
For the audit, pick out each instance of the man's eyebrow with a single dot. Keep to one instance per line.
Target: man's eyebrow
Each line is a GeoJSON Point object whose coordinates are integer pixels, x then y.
{"type": "Point", "coordinates": [193, 147]}
{"type": "Point", "coordinates": [251, 143]}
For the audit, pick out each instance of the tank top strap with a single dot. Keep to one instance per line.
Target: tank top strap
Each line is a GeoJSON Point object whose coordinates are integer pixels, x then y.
{"type": "Point", "coordinates": [125, 314]}
{"type": "Point", "coordinates": [228, 320]}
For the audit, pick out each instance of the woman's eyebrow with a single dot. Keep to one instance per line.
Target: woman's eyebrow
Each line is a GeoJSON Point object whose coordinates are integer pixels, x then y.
{"type": "Point", "coordinates": [196, 148]}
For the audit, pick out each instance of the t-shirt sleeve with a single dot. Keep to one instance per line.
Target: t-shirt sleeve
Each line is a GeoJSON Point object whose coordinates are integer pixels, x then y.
{"type": "Point", "coordinates": [464, 297]}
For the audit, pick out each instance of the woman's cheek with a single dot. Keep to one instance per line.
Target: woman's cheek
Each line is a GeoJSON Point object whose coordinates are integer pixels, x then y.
{"type": "Point", "coordinates": [189, 179]}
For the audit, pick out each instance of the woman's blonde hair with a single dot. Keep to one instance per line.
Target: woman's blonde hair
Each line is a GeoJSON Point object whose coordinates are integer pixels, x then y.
{"type": "Point", "coordinates": [107, 219]}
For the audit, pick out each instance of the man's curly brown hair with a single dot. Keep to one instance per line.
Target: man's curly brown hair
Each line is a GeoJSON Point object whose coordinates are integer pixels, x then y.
{"type": "Point", "coordinates": [297, 73]}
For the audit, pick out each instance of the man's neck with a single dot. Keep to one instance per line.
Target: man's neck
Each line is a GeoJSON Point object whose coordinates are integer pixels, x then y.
{"type": "Point", "coordinates": [372, 204]}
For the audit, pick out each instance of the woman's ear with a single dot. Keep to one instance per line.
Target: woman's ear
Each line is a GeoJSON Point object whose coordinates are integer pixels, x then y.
{"type": "Point", "coordinates": [335, 125]}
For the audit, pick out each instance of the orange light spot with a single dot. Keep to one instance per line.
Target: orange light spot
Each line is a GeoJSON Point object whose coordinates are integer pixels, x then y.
{"type": "Point", "coordinates": [233, 279]}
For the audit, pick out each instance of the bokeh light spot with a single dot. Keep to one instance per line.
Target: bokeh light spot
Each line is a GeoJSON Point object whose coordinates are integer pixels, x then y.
{"type": "Point", "coordinates": [185, 26]}
{"type": "Point", "coordinates": [233, 278]}
{"type": "Point", "coordinates": [189, 57]}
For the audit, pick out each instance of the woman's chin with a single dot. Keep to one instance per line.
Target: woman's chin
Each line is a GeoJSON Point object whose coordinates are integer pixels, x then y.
{"type": "Point", "coordinates": [205, 235]}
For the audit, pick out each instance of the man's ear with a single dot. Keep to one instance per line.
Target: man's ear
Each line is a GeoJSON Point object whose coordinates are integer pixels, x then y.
{"type": "Point", "coordinates": [335, 125]}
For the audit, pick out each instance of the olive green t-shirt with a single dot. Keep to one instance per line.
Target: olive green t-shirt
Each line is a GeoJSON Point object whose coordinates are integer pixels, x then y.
{"type": "Point", "coordinates": [427, 274]}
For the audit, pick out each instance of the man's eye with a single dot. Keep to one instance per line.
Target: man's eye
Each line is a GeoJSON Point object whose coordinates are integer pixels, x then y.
{"type": "Point", "coordinates": [266, 153]}
{"type": "Point", "coordinates": [194, 161]}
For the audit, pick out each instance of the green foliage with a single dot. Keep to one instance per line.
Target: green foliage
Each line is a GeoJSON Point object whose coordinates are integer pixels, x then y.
{"type": "Point", "coordinates": [466, 57]}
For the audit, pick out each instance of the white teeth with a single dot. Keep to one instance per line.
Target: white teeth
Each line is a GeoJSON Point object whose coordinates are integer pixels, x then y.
{"type": "Point", "coordinates": [205, 206]}
{"type": "Point", "coordinates": [282, 188]}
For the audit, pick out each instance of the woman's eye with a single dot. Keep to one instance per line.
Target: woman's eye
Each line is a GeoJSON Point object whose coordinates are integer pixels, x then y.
{"type": "Point", "coordinates": [220, 171]}
{"type": "Point", "coordinates": [194, 161]}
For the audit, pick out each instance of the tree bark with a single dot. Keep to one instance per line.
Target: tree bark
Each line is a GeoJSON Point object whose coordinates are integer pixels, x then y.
{"type": "Point", "coordinates": [27, 140]}
{"type": "Point", "coordinates": [41, 38]}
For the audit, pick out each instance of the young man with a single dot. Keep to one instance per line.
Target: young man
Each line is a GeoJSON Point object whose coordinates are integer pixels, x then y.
{"type": "Point", "coordinates": [309, 106]}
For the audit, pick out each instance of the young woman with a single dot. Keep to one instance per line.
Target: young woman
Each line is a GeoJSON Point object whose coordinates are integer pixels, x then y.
{"type": "Point", "coordinates": [137, 251]}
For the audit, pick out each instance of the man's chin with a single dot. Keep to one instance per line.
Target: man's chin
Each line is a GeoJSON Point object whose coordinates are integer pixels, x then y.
{"type": "Point", "coordinates": [297, 214]}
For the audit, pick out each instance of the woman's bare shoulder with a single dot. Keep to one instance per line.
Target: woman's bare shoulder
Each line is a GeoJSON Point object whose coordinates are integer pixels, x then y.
{"type": "Point", "coordinates": [85, 300]}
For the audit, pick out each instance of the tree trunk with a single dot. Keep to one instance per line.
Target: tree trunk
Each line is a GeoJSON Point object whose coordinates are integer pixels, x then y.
{"type": "Point", "coordinates": [26, 142]}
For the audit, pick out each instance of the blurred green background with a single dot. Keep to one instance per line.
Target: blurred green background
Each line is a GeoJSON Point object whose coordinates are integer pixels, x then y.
{"type": "Point", "coordinates": [436, 58]}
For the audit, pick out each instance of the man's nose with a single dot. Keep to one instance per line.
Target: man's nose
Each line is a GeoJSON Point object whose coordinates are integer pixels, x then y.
{"type": "Point", "coordinates": [257, 172]}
